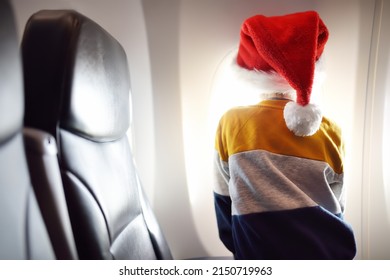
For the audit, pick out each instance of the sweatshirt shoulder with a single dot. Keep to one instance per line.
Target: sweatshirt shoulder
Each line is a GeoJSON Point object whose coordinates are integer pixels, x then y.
{"type": "Point", "coordinates": [331, 128]}
{"type": "Point", "coordinates": [238, 114]}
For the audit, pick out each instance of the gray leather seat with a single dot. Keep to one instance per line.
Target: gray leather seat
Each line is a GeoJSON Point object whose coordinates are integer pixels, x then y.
{"type": "Point", "coordinates": [41, 152]}
{"type": "Point", "coordinates": [77, 89]}
{"type": "Point", "coordinates": [23, 234]}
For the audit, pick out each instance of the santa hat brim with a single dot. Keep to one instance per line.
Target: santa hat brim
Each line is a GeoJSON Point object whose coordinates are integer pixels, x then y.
{"type": "Point", "coordinates": [265, 83]}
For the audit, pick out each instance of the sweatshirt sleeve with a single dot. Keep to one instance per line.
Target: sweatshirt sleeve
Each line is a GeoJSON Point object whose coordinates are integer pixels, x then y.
{"type": "Point", "coordinates": [222, 202]}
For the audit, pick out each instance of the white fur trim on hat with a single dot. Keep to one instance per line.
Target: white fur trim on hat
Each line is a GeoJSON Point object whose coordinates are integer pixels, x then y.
{"type": "Point", "coordinates": [265, 83]}
{"type": "Point", "coordinates": [302, 120]}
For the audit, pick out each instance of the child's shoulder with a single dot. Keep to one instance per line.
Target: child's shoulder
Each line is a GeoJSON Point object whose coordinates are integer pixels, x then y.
{"type": "Point", "coordinates": [239, 111]}
{"type": "Point", "coordinates": [330, 123]}
{"type": "Point", "coordinates": [331, 127]}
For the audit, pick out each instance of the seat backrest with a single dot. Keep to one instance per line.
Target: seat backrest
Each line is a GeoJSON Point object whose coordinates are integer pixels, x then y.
{"type": "Point", "coordinates": [23, 234]}
{"type": "Point", "coordinates": [77, 89]}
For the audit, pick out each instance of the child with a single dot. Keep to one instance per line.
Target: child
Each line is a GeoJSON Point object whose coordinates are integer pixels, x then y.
{"type": "Point", "coordinates": [279, 164]}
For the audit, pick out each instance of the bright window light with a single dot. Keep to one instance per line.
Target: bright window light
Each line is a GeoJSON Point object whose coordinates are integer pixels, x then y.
{"type": "Point", "coordinates": [228, 92]}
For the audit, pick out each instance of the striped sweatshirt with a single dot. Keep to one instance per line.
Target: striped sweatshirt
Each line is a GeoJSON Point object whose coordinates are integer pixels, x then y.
{"type": "Point", "coordinates": [277, 195]}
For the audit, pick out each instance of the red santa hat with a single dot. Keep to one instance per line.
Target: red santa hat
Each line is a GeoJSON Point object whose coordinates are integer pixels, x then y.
{"type": "Point", "coordinates": [279, 55]}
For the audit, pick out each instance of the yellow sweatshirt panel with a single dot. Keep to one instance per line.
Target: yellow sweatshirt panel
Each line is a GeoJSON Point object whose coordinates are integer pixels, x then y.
{"type": "Point", "coordinates": [262, 127]}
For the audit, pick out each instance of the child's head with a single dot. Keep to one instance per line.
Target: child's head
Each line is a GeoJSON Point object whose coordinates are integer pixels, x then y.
{"type": "Point", "coordinates": [279, 55]}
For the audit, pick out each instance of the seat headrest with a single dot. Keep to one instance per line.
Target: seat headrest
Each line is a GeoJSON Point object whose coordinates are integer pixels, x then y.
{"type": "Point", "coordinates": [11, 83]}
{"type": "Point", "coordinates": [76, 76]}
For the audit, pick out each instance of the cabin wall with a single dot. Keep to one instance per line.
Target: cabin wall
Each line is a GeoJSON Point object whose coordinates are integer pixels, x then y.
{"type": "Point", "coordinates": [376, 154]}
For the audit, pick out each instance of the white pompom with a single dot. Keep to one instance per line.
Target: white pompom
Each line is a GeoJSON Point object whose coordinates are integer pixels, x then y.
{"type": "Point", "coordinates": [302, 120]}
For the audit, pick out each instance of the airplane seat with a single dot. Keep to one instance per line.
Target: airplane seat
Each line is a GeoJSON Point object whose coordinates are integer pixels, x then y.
{"type": "Point", "coordinates": [23, 233]}
{"type": "Point", "coordinates": [41, 152]}
{"type": "Point", "coordinates": [77, 87]}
